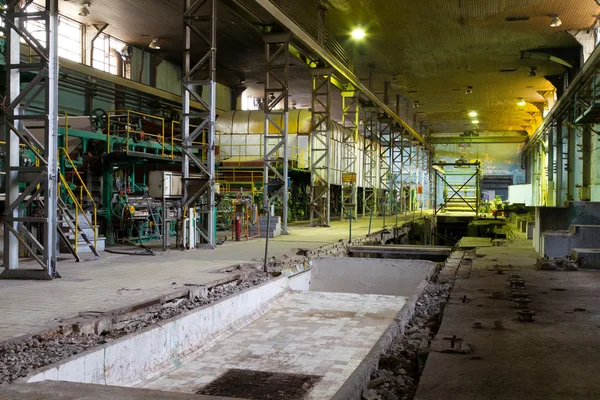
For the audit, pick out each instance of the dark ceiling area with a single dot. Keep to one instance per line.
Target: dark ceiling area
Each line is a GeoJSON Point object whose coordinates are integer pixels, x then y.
{"type": "Point", "coordinates": [426, 51]}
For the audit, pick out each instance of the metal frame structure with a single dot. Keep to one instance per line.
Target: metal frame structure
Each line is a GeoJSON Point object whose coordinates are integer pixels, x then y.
{"type": "Point", "coordinates": [350, 121]}
{"type": "Point", "coordinates": [320, 142]}
{"type": "Point", "coordinates": [370, 165]}
{"type": "Point", "coordinates": [385, 164]}
{"type": "Point", "coordinates": [456, 192]}
{"type": "Point", "coordinates": [199, 16]}
{"type": "Point", "coordinates": [397, 174]}
{"type": "Point", "coordinates": [276, 106]}
{"type": "Point", "coordinates": [41, 179]}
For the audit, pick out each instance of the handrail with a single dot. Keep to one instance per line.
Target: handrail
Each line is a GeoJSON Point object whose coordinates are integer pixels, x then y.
{"type": "Point", "coordinates": [173, 139]}
{"type": "Point", "coordinates": [128, 113]}
{"type": "Point", "coordinates": [80, 203]}
{"type": "Point", "coordinates": [66, 128]}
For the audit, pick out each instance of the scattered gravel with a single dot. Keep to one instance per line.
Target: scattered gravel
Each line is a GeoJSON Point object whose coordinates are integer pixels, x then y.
{"type": "Point", "coordinates": [17, 359]}
{"type": "Point", "coordinates": [400, 368]}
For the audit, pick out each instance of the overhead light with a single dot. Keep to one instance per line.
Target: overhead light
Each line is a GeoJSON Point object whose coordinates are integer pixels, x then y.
{"type": "Point", "coordinates": [475, 121]}
{"type": "Point", "coordinates": [83, 11]}
{"type": "Point", "coordinates": [532, 71]}
{"type": "Point", "coordinates": [521, 102]}
{"type": "Point", "coordinates": [473, 114]}
{"type": "Point", "coordinates": [469, 90]}
{"type": "Point", "coordinates": [154, 44]}
{"type": "Point", "coordinates": [556, 22]}
{"type": "Point", "coordinates": [358, 34]}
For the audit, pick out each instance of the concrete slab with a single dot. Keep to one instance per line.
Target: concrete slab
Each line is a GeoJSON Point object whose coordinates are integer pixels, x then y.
{"type": "Point", "coordinates": [114, 282]}
{"type": "Point", "coordinates": [553, 357]}
{"type": "Point", "coordinates": [431, 253]}
{"type": "Point", "coordinates": [325, 334]}
{"type": "Point", "coordinates": [82, 391]}
{"type": "Point", "coordinates": [587, 258]}
{"type": "Point", "coordinates": [469, 241]}
{"type": "Point", "coordinates": [369, 276]}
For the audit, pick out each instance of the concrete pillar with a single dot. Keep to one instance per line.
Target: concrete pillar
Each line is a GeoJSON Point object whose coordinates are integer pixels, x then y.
{"type": "Point", "coordinates": [586, 161]}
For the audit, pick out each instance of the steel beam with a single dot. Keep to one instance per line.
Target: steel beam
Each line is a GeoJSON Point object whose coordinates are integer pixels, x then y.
{"type": "Point", "coordinates": [199, 16]}
{"type": "Point", "coordinates": [19, 223]}
{"type": "Point", "coordinates": [320, 142]}
{"type": "Point", "coordinates": [350, 114]}
{"type": "Point", "coordinates": [276, 104]}
{"type": "Point", "coordinates": [476, 139]}
{"type": "Point", "coordinates": [325, 56]}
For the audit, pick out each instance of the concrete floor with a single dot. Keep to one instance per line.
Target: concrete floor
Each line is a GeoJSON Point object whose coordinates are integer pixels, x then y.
{"type": "Point", "coordinates": [114, 282]}
{"type": "Point", "coordinates": [554, 357]}
{"type": "Point", "coordinates": [309, 333]}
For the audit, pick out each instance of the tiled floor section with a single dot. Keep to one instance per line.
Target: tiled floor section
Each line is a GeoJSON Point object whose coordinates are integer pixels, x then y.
{"type": "Point", "coordinates": [326, 334]}
{"type": "Point", "coordinates": [28, 307]}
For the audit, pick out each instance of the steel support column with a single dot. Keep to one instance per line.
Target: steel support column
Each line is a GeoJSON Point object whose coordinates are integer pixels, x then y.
{"type": "Point", "coordinates": [276, 103]}
{"type": "Point", "coordinates": [38, 179]}
{"type": "Point", "coordinates": [350, 114]}
{"type": "Point", "coordinates": [199, 17]}
{"type": "Point", "coordinates": [396, 177]}
{"type": "Point", "coordinates": [370, 165]}
{"type": "Point", "coordinates": [385, 164]}
{"type": "Point", "coordinates": [320, 142]}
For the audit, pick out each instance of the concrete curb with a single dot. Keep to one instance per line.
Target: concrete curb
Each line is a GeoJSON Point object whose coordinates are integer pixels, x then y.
{"type": "Point", "coordinates": [359, 379]}
{"type": "Point", "coordinates": [167, 343]}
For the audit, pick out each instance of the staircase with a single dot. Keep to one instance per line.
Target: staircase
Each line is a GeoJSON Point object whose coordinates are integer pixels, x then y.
{"type": "Point", "coordinates": [77, 226]}
{"type": "Point", "coordinates": [79, 233]}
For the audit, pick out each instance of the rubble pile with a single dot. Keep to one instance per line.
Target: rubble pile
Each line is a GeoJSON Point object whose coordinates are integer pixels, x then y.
{"type": "Point", "coordinates": [400, 368]}
{"type": "Point", "coordinates": [18, 358]}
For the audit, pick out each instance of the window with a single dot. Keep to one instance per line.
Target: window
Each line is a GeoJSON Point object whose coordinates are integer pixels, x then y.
{"type": "Point", "coordinates": [107, 55]}
{"type": "Point", "coordinates": [69, 35]}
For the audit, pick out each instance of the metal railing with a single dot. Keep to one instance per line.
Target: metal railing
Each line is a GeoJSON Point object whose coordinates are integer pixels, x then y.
{"type": "Point", "coordinates": [79, 202]}
{"type": "Point", "coordinates": [121, 123]}
{"type": "Point", "coordinates": [229, 152]}
{"type": "Point", "coordinates": [176, 143]}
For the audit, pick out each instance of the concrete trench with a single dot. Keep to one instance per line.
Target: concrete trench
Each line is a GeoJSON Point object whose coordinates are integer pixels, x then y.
{"type": "Point", "coordinates": [331, 318]}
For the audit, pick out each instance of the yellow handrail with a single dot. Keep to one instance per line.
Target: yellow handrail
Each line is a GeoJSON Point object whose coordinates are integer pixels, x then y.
{"type": "Point", "coordinates": [66, 128]}
{"type": "Point", "coordinates": [79, 204]}
{"type": "Point", "coordinates": [128, 113]}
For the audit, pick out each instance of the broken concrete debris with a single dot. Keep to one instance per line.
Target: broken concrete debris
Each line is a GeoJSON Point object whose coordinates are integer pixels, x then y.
{"type": "Point", "coordinates": [400, 367]}
{"type": "Point", "coordinates": [557, 264]}
{"type": "Point", "coordinates": [18, 358]}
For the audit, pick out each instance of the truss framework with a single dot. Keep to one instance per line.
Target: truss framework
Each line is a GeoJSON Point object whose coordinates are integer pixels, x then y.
{"type": "Point", "coordinates": [386, 177]}
{"type": "Point", "coordinates": [370, 165]}
{"type": "Point", "coordinates": [200, 17]}
{"type": "Point", "coordinates": [40, 179]}
{"type": "Point", "coordinates": [276, 104]}
{"type": "Point", "coordinates": [350, 115]}
{"type": "Point", "coordinates": [320, 141]}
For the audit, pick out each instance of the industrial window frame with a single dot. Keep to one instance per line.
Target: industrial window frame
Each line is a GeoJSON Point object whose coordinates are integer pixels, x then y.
{"type": "Point", "coordinates": [107, 55]}
{"type": "Point", "coordinates": [70, 35]}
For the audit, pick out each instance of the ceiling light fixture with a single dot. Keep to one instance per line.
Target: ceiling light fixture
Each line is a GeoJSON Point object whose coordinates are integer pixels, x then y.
{"type": "Point", "coordinates": [473, 114]}
{"type": "Point", "coordinates": [521, 102]}
{"type": "Point", "coordinates": [154, 44]}
{"type": "Point", "coordinates": [556, 22]}
{"type": "Point", "coordinates": [83, 11]}
{"type": "Point", "coordinates": [358, 34]}
{"type": "Point", "coordinates": [469, 90]}
{"type": "Point", "coordinates": [475, 121]}
{"type": "Point", "coordinates": [532, 71]}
